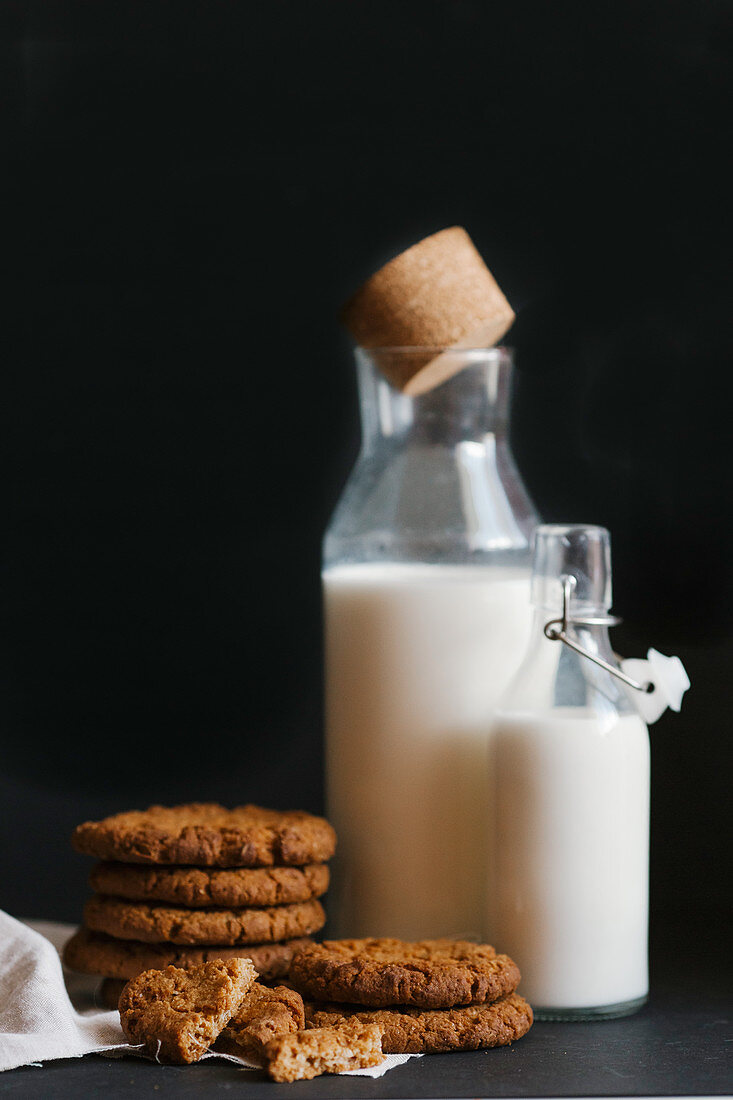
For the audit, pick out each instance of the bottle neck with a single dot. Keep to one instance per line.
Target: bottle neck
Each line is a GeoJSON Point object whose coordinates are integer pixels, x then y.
{"type": "Point", "coordinates": [469, 407]}
{"type": "Point", "coordinates": [435, 480]}
{"type": "Point", "coordinates": [572, 569]}
{"type": "Point", "coordinates": [555, 675]}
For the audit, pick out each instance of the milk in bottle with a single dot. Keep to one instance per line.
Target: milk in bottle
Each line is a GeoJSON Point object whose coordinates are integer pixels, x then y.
{"type": "Point", "coordinates": [567, 896]}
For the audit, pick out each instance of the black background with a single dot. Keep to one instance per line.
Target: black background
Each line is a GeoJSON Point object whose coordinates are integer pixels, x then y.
{"type": "Point", "coordinates": [192, 192]}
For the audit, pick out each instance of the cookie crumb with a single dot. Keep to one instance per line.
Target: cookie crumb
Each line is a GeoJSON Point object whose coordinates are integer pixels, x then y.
{"type": "Point", "coordinates": [308, 1054]}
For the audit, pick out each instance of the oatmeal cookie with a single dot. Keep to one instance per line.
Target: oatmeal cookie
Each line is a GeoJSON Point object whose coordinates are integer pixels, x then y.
{"type": "Point", "coordinates": [382, 972]}
{"type": "Point", "coordinates": [426, 1031]}
{"type": "Point", "coordinates": [199, 887]}
{"type": "Point", "coordinates": [205, 834]}
{"type": "Point", "coordinates": [95, 953]}
{"type": "Point", "coordinates": [130, 920]}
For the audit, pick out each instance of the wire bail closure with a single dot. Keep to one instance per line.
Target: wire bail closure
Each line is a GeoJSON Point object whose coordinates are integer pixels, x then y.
{"type": "Point", "coordinates": [561, 635]}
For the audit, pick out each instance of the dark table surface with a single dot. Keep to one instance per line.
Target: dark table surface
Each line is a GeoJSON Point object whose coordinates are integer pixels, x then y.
{"type": "Point", "coordinates": [679, 1044]}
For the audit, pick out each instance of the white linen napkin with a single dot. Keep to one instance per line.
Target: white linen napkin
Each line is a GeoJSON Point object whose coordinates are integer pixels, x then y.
{"type": "Point", "coordinates": [42, 1017]}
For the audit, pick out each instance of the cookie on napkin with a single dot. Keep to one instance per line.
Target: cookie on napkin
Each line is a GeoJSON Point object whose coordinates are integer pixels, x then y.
{"type": "Point", "coordinates": [307, 1054]}
{"type": "Point", "coordinates": [177, 1014]}
{"type": "Point", "coordinates": [263, 1015]}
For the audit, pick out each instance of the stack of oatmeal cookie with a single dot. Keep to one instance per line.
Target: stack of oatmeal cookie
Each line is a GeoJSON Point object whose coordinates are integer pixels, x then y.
{"type": "Point", "coordinates": [428, 997]}
{"type": "Point", "coordinates": [187, 884]}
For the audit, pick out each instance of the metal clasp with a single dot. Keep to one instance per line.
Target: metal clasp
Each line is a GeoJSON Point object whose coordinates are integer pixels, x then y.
{"type": "Point", "coordinates": [561, 635]}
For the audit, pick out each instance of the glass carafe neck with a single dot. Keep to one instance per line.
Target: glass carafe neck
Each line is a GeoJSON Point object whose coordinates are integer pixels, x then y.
{"type": "Point", "coordinates": [435, 481]}
{"type": "Point", "coordinates": [470, 405]}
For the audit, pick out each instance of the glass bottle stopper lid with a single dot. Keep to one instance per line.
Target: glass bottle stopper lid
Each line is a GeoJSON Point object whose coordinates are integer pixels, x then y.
{"type": "Point", "coordinates": [437, 297]}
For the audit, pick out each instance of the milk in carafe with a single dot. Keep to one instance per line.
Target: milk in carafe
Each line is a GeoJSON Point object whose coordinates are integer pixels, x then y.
{"type": "Point", "coordinates": [416, 656]}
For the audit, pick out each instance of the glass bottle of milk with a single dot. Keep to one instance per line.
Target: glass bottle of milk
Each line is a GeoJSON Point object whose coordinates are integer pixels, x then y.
{"type": "Point", "coordinates": [570, 770]}
{"type": "Point", "coordinates": [426, 606]}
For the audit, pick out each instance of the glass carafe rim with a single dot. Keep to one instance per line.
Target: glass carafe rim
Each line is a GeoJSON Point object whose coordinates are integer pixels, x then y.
{"type": "Point", "coordinates": [567, 528]}
{"type": "Point", "coordinates": [501, 351]}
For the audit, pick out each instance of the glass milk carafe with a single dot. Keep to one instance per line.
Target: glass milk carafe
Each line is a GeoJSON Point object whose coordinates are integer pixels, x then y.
{"type": "Point", "coordinates": [570, 770]}
{"type": "Point", "coordinates": [426, 605]}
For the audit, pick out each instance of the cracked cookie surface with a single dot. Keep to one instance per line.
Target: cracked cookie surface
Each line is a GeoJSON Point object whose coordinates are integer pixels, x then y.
{"type": "Point", "coordinates": [197, 887]}
{"type": "Point", "coordinates": [208, 835]}
{"type": "Point", "coordinates": [148, 923]}
{"type": "Point", "coordinates": [177, 1014]}
{"type": "Point", "coordinates": [263, 1015]}
{"type": "Point", "coordinates": [434, 1031]}
{"type": "Point", "coordinates": [382, 972]}
{"type": "Point", "coordinates": [96, 953]}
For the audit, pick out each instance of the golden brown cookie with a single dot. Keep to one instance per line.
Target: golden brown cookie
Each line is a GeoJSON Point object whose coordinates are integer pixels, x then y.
{"type": "Point", "coordinates": [95, 953]}
{"type": "Point", "coordinates": [198, 887]}
{"type": "Point", "coordinates": [308, 1054]}
{"type": "Point", "coordinates": [139, 920]}
{"type": "Point", "coordinates": [263, 1014]}
{"type": "Point", "coordinates": [382, 972]}
{"type": "Point", "coordinates": [207, 835]}
{"type": "Point", "coordinates": [177, 1014]}
{"type": "Point", "coordinates": [432, 1031]}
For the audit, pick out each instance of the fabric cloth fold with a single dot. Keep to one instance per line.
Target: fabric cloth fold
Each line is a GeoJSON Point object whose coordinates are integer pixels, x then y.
{"type": "Point", "coordinates": [43, 1016]}
{"type": "Point", "coordinates": [38, 1022]}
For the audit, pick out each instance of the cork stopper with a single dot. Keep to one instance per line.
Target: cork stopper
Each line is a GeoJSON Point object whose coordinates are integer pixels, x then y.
{"type": "Point", "coordinates": [437, 295]}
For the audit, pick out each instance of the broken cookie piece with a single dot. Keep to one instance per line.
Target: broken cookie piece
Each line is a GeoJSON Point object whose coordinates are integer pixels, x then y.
{"type": "Point", "coordinates": [307, 1054]}
{"type": "Point", "coordinates": [263, 1015]}
{"type": "Point", "coordinates": [177, 1014]}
